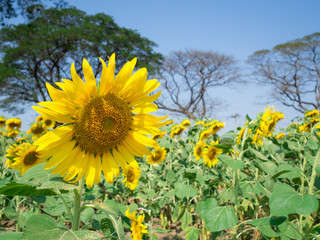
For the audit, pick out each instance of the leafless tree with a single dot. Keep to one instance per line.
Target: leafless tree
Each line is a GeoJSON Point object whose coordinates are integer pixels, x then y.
{"type": "Point", "coordinates": [293, 70]}
{"type": "Point", "coordinates": [187, 78]}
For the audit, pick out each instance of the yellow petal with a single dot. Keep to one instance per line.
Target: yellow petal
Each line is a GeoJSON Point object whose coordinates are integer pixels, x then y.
{"type": "Point", "coordinates": [107, 75]}
{"type": "Point", "coordinates": [55, 116]}
{"type": "Point", "coordinates": [91, 83]}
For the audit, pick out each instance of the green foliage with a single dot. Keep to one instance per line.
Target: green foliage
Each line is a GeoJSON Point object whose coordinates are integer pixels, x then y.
{"type": "Point", "coordinates": [42, 51]}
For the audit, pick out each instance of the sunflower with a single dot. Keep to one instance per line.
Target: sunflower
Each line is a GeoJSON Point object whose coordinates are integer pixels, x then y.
{"type": "Point", "coordinates": [13, 124]}
{"type": "Point", "coordinates": [185, 122]}
{"type": "Point", "coordinates": [210, 155]}
{"type": "Point", "coordinates": [28, 157]}
{"type": "Point", "coordinates": [216, 126]}
{"type": "Point", "coordinates": [312, 113]}
{"type": "Point", "coordinates": [137, 226]}
{"type": "Point", "coordinates": [105, 126]}
{"type": "Point", "coordinates": [177, 130]}
{"type": "Point", "coordinates": [11, 153]}
{"type": "Point", "coordinates": [37, 130]}
{"type": "Point", "coordinates": [198, 150]}
{"type": "Point", "coordinates": [280, 135]}
{"type": "Point", "coordinates": [160, 135]}
{"type": "Point", "coordinates": [48, 123]}
{"type": "Point", "coordinates": [2, 122]}
{"type": "Point", "coordinates": [205, 134]}
{"type": "Point", "coordinates": [157, 156]}
{"type": "Point", "coordinates": [39, 119]}
{"type": "Point", "coordinates": [21, 140]}
{"type": "Point", "coordinates": [132, 176]}
{"type": "Point", "coordinates": [13, 133]}
{"type": "Point", "coordinates": [199, 123]}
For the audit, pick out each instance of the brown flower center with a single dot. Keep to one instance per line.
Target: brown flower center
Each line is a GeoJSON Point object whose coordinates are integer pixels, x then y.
{"type": "Point", "coordinates": [102, 123]}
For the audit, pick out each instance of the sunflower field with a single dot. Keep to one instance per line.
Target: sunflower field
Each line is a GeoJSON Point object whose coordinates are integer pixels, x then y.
{"type": "Point", "coordinates": [96, 164]}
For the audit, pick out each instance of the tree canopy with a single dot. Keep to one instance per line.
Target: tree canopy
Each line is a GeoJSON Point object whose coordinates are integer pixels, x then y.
{"type": "Point", "coordinates": [188, 78]}
{"type": "Point", "coordinates": [42, 51]}
{"type": "Point", "coordinates": [293, 70]}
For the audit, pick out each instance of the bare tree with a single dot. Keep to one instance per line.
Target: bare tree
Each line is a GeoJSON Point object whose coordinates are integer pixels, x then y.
{"type": "Point", "coordinates": [187, 78]}
{"type": "Point", "coordinates": [293, 70]}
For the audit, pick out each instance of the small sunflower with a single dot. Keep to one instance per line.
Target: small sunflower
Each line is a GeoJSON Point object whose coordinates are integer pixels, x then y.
{"type": "Point", "coordinates": [2, 122]}
{"type": "Point", "coordinates": [39, 119]}
{"type": "Point", "coordinates": [199, 123]}
{"type": "Point", "coordinates": [28, 157]}
{"type": "Point", "coordinates": [137, 226]}
{"type": "Point", "coordinates": [185, 122]}
{"type": "Point", "coordinates": [210, 155]}
{"type": "Point", "coordinates": [13, 124]}
{"type": "Point", "coordinates": [106, 124]}
{"type": "Point", "coordinates": [177, 130]}
{"type": "Point", "coordinates": [160, 135]}
{"type": "Point", "coordinates": [21, 140]}
{"type": "Point", "coordinates": [48, 123]}
{"type": "Point", "coordinates": [157, 156]}
{"type": "Point", "coordinates": [280, 135]}
{"type": "Point", "coordinates": [198, 150]}
{"type": "Point", "coordinates": [312, 113]}
{"type": "Point", "coordinates": [132, 176]}
{"type": "Point", "coordinates": [37, 130]}
{"type": "Point", "coordinates": [11, 153]}
{"type": "Point", "coordinates": [216, 126]}
{"type": "Point", "coordinates": [13, 133]}
{"type": "Point", "coordinates": [205, 134]}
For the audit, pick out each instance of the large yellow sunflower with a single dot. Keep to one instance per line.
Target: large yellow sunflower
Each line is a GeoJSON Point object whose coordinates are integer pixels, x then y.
{"type": "Point", "coordinates": [105, 124]}
{"type": "Point", "coordinates": [28, 157]}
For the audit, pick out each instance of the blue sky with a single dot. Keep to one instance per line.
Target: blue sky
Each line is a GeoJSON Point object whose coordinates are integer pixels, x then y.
{"type": "Point", "coordinates": [232, 27]}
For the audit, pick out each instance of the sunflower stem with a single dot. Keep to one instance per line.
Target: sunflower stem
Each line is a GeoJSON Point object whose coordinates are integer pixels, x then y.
{"type": "Point", "coordinates": [77, 207]}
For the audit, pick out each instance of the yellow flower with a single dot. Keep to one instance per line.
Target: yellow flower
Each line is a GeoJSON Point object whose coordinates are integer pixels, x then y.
{"type": "Point", "coordinates": [48, 123]}
{"type": "Point", "coordinates": [199, 123]}
{"type": "Point", "coordinates": [137, 226]}
{"type": "Point", "coordinates": [39, 118]}
{"type": "Point", "coordinates": [13, 124]}
{"type": "Point", "coordinates": [37, 130]}
{"type": "Point", "coordinates": [132, 176]}
{"type": "Point", "coordinates": [312, 113]}
{"type": "Point", "coordinates": [168, 122]}
{"type": "Point", "coordinates": [2, 122]}
{"type": "Point", "coordinates": [216, 126]}
{"type": "Point", "coordinates": [210, 154]}
{"type": "Point", "coordinates": [21, 140]}
{"type": "Point", "coordinates": [13, 133]}
{"type": "Point", "coordinates": [105, 126]}
{"type": "Point", "coordinates": [280, 135]}
{"type": "Point", "coordinates": [177, 130]}
{"type": "Point", "coordinates": [160, 135]}
{"type": "Point", "coordinates": [28, 157]}
{"type": "Point", "coordinates": [205, 134]}
{"type": "Point", "coordinates": [198, 150]}
{"type": "Point", "coordinates": [11, 153]}
{"type": "Point", "coordinates": [185, 122]}
{"type": "Point", "coordinates": [157, 156]}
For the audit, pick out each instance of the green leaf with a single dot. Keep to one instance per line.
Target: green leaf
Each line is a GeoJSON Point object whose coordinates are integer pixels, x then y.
{"type": "Point", "coordinates": [182, 190]}
{"type": "Point", "coordinates": [216, 218]}
{"type": "Point", "coordinates": [313, 144]}
{"type": "Point", "coordinates": [107, 226]}
{"type": "Point", "coordinates": [11, 236]}
{"type": "Point", "coordinates": [286, 171]}
{"type": "Point", "coordinates": [39, 226]}
{"type": "Point", "coordinates": [258, 154]}
{"type": "Point", "coordinates": [86, 215]}
{"type": "Point", "coordinates": [275, 221]}
{"type": "Point", "coordinates": [192, 233]}
{"type": "Point", "coordinates": [285, 200]}
{"type": "Point", "coordinates": [186, 220]}
{"type": "Point", "coordinates": [20, 189]}
{"type": "Point", "coordinates": [43, 179]}
{"type": "Point", "coordinates": [234, 164]}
